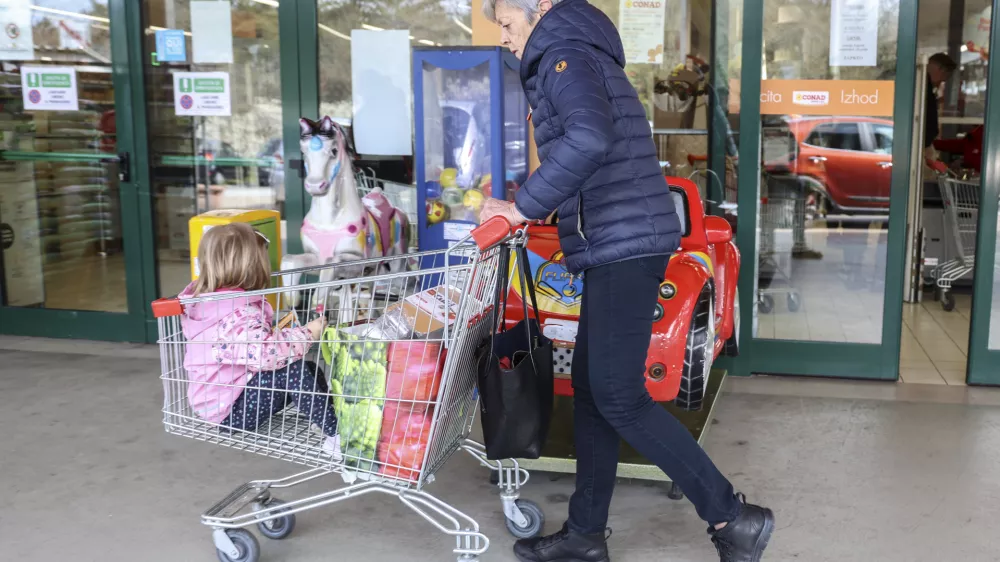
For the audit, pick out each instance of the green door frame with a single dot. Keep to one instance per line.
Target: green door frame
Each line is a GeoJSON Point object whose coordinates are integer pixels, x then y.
{"type": "Point", "coordinates": [126, 35]}
{"type": "Point", "coordinates": [984, 363]}
{"type": "Point", "coordinates": [864, 361]}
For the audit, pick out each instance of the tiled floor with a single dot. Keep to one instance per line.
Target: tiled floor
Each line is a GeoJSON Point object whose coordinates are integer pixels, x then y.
{"type": "Point", "coordinates": [935, 343]}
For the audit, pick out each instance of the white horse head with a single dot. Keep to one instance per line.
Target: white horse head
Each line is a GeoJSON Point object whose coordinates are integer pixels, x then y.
{"type": "Point", "coordinates": [325, 153]}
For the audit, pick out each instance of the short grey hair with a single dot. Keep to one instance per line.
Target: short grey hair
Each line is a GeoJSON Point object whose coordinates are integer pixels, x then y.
{"type": "Point", "coordinates": [529, 7]}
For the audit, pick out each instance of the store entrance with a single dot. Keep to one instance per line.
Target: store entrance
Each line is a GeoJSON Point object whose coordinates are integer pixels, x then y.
{"type": "Point", "coordinates": [945, 195]}
{"type": "Point", "coordinates": [67, 159]}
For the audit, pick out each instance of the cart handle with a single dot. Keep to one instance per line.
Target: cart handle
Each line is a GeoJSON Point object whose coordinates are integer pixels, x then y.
{"type": "Point", "coordinates": [164, 308]}
{"type": "Point", "coordinates": [495, 231]}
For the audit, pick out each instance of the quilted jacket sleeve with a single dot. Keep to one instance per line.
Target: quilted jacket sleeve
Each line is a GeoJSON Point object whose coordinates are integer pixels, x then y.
{"type": "Point", "coordinates": [246, 339]}
{"type": "Point", "coordinates": [575, 87]}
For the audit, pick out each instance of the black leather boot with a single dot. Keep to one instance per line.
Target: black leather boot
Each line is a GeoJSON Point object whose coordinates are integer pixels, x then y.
{"type": "Point", "coordinates": [564, 546]}
{"type": "Point", "coordinates": [744, 539]}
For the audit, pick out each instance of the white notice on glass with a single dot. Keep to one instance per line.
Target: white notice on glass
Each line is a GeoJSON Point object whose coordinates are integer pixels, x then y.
{"type": "Point", "coordinates": [641, 25]}
{"type": "Point", "coordinates": [854, 33]}
{"type": "Point", "coordinates": [49, 88]}
{"type": "Point", "coordinates": [457, 230]}
{"type": "Point", "coordinates": [16, 40]}
{"type": "Point", "coordinates": [381, 92]}
{"type": "Point", "coordinates": [211, 32]}
{"type": "Point", "coordinates": [202, 93]}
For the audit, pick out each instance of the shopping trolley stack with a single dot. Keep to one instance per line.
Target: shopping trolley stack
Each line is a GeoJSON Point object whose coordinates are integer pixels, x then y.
{"type": "Point", "coordinates": [401, 381]}
{"type": "Point", "coordinates": [961, 215]}
{"type": "Point", "coordinates": [774, 262]}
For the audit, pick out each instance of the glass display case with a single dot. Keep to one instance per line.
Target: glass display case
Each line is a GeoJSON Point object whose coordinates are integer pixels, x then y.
{"type": "Point", "coordinates": [471, 127]}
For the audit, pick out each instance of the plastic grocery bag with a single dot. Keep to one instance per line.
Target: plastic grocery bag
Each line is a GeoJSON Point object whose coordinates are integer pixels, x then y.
{"type": "Point", "coordinates": [406, 431]}
{"type": "Point", "coordinates": [415, 369]}
{"type": "Point", "coordinates": [357, 381]}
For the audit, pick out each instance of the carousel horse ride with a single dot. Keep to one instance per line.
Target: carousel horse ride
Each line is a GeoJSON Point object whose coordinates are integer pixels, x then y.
{"type": "Point", "coordinates": [341, 225]}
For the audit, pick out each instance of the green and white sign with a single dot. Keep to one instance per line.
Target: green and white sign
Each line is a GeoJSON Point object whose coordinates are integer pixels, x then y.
{"type": "Point", "coordinates": [49, 88]}
{"type": "Point", "coordinates": [202, 93]}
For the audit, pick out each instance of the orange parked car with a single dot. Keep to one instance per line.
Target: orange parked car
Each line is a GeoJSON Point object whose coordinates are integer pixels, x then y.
{"type": "Point", "coordinates": [843, 163]}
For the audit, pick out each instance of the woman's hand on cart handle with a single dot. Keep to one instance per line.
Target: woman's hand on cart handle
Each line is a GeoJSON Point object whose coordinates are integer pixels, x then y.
{"type": "Point", "coordinates": [498, 208]}
{"type": "Point", "coordinates": [494, 231]}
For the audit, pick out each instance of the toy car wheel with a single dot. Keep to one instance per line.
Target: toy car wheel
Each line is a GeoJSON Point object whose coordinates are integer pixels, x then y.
{"type": "Point", "coordinates": [765, 304]}
{"type": "Point", "coordinates": [732, 347]}
{"type": "Point", "coordinates": [698, 354]}
{"type": "Point", "coordinates": [535, 520]}
{"type": "Point", "coordinates": [279, 527]}
{"type": "Point", "coordinates": [246, 544]}
{"type": "Point", "coordinates": [794, 302]}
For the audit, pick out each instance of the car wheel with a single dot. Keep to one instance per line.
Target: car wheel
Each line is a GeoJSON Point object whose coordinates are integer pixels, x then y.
{"type": "Point", "coordinates": [732, 348]}
{"type": "Point", "coordinates": [698, 354]}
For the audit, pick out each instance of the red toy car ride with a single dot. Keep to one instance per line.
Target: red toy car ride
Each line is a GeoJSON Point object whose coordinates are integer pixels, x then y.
{"type": "Point", "coordinates": [696, 317]}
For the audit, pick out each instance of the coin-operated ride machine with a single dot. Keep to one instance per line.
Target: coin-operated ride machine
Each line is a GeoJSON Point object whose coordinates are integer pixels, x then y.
{"type": "Point", "coordinates": [471, 137]}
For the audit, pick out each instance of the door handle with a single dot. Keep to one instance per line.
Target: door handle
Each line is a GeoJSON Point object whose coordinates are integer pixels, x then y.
{"type": "Point", "coordinates": [817, 159]}
{"type": "Point", "coordinates": [124, 172]}
{"type": "Point", "coordinates": [885, 165]}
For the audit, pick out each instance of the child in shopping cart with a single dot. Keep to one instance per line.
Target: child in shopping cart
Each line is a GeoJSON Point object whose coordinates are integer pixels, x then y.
{"type": "Point", "coordinates": [242, 369]}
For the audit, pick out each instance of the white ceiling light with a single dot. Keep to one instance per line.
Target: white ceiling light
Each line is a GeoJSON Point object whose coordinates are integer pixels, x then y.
{"type": "Point", "coordinates": [334, 32]}
{"type": "Point", "coordinates": [464, 27]}
{"type": "Point", "coordinates": [69, 14]}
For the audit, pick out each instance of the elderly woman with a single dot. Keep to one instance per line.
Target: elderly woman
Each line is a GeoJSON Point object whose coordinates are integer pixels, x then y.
{"type": "Point", "coordinates": [618, 225]}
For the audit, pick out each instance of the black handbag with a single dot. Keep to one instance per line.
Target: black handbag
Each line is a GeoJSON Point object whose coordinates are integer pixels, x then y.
{"type": "Point", "coordinates": [515, 402]}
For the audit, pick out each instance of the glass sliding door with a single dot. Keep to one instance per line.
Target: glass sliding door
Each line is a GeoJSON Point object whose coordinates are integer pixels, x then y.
{"type": "Point", "coordinates": [68, 196]}
{"type": "Point", "coordinates": [822, 203]}
{"type": "Point", "coordinates": [984, 341]}
{"type": "Point", "coordinates": [213, 78]}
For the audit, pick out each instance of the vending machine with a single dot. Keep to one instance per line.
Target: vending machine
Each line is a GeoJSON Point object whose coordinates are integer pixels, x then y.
{"type": "Point", "coordinates": [471, 137]}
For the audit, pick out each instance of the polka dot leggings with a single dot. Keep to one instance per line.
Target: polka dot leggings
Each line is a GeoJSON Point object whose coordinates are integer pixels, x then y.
{"type": "Point", "coordinates": [269, 392]}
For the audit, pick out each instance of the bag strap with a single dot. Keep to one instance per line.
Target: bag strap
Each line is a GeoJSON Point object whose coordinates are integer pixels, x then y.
{"type": "Point", "coordinates": [527, 283]}
{"type": "Point", "coordinates": [528, 286]}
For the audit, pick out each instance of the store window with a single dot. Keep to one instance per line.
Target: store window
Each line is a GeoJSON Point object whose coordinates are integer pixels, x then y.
{"type": "Point", "coordinates": [827, 119]}
{"type": "Point", "coordinates": [60, 213]}
{"type": "Point", "coordinates": [429, 24]}
{"type": "Point", "coordinates": [225, 155]}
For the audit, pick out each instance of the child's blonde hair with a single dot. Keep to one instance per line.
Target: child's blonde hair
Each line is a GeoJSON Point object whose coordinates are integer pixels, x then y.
{"type": "Point", "coordinates": [233, 256]}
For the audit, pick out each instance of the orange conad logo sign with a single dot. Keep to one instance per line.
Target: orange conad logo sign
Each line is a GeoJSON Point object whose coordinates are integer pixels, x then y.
{"type": "Point", "coordinates": [863, 98]}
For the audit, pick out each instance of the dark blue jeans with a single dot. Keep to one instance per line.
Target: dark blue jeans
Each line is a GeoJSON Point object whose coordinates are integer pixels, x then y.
{"type": "Point", "coordinates": [611, 400]}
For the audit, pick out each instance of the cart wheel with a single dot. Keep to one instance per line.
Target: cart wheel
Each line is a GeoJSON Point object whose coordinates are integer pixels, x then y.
{"type": "Point", "coordinates": [245, 542]}
{"type": "Point", "coordinates": [766, 304]}
{"type": "Point", "coordinates": [675, 492]}
{"type": "Point", "coordinates": [794, 302]}
{"type": "Point", "coordinates": [278, 528]}
{"type": "Point", "coordinates": [947, 301]}
{"type": "Point", "coordinates": [535, 517]}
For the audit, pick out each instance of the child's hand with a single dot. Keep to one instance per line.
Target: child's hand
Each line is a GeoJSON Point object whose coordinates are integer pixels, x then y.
{"type": "Point", "coordinates": [316, 327]}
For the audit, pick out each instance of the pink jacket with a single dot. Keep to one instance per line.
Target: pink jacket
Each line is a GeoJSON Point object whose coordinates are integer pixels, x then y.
{"type": "Point", "coordinates": [229, 340]}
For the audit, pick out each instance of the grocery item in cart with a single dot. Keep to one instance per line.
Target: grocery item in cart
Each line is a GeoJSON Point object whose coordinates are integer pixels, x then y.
{"type": "Point", "coordinates": [406, 430]}
{"type": "Point", "coordinates": [357, 382]}
{"type": "Point", "coordinates": [422, 315]}
{"type": "Point", "coordinates": [415, 369]}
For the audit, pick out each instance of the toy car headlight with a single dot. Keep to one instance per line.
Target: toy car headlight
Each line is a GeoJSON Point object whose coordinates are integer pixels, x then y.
{"type": "Point", "coordinates": [667, 290]}
{"type": "Point", "coordinates": [658, 313]}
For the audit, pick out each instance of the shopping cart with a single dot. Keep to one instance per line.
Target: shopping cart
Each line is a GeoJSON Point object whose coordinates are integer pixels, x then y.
{"type": "Point", "coordinates": [774, 262]}
{"type": "Point", "coordinates": [961, 215]}
{"type": "Point", "coordinates": [402, 385]}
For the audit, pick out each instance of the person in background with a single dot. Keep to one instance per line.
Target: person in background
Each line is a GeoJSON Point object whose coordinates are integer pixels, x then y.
{"type": "Point", "coordinates": [940, 67]}
{"type": "Point", "coordinates": [618, 226]}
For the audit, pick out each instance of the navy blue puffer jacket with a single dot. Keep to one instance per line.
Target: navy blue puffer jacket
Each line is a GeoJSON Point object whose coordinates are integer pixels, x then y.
{"type": "Point", "coordinates": [599, 167]}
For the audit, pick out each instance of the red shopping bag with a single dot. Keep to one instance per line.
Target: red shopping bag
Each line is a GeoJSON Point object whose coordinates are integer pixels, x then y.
{"type": "Point", "coordinates": [415, 369]}
{"type": "Point", "coordinates": [406, 430]}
